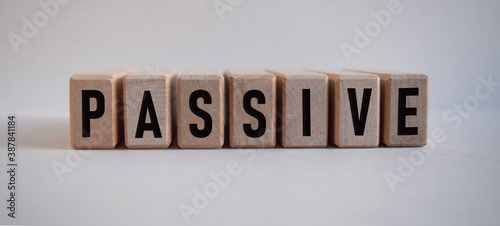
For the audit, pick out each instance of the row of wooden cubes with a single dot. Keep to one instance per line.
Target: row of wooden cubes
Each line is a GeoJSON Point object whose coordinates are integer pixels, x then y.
{"type": "Point", "coordinates": [300, 108]}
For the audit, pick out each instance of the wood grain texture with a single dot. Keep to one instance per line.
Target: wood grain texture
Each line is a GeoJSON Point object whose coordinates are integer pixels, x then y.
{"type": "Point", "coordinates": [139, 88]}
{"type": "Point", "coordinates": [401, 91]}
{"type": "Point", "coordinates": [107, 129]}
{"type": "Point", "coordinates": [346, 112]}
{"type": "Point", "coordinates": [302, 122]}
{"type": "Point", "coordinates": [256, 86]}
{"type": "Point", "coordinates": [193, 85]}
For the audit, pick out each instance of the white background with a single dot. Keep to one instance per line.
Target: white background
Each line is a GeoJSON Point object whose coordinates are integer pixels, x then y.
{"type": "Point", "coordinates": [453, 42]}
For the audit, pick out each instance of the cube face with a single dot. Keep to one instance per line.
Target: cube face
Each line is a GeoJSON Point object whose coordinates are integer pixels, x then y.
{"type": "Point", "coordinates": [354, 109]}
{"type": "Point", "coordinates": [200, 109]}
{"type": "Point", "coordinates": [252, 109]}
{"type": "Point", "coordinates": [95, 109]}
{"type": "Point", "coordinates": [303, 108]}
{"type": "Point", "coordinates": [406, 121]}
{"type": "Point", "coordinates": [404, 108]}
{"type": "Point", "coordinates": [148, 111]}
{"type": "Point", "coordinates": [357, 118]}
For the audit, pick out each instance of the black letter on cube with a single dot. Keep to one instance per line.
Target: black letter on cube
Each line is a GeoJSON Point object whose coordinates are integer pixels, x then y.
{"type": "Point", "coordinates": [403, 111]}
{"type": "Point", "coordinates": [359, 121]}
{"type": "Point", "coordinates": [261, 99]}
{"type": "Point", "coordinates": [147, 105]}
{"type": "Point", "coordinates": [207, 99]}
{"type": "Point", "coordinates": [86, 113]}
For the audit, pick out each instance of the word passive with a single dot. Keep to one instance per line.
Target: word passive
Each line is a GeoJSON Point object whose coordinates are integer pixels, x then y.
{"type": "Point", "coordinates": [299, 109]}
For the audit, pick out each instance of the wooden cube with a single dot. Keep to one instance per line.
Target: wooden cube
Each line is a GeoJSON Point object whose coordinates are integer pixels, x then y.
{"type": "Point", "coordinates": [404, 108]}
{"type": "Point", "coordinates": [354, 109]}
{"type": "Point", "coordinates": [96, 109]}
{"type": "Point", "coordinates": [200, 109]}
{"type": "Point", "coordinates": [252, 109]}
{"type": "Point", "coordinates": [302, 104]}
{"type": "Point", "coordinates": [148, 111]}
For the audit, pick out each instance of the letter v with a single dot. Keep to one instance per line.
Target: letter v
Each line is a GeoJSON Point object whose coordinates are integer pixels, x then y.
{"type": "Point", "coordinates": [359, 121]}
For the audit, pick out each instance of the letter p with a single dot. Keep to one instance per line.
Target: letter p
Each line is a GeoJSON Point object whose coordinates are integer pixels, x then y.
{"type": "Point", "coordinates": [87, 114]}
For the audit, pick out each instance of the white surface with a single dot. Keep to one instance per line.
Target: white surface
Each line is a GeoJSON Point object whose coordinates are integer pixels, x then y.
{"type": "Point", "coordinates": [456, 185]}
{"type": "Point", "coordinates": [453, 42]}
